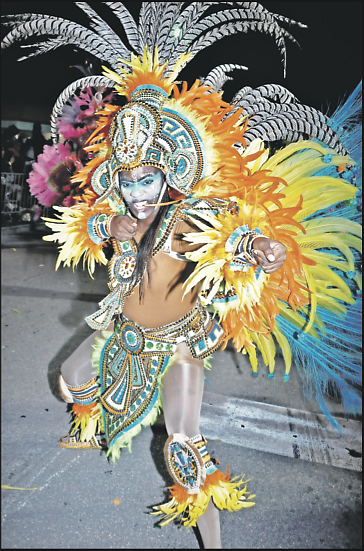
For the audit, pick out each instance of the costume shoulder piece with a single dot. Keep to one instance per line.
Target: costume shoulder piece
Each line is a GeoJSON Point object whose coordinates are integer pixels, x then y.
{"type": "Point", "coordinates": [218, 165]}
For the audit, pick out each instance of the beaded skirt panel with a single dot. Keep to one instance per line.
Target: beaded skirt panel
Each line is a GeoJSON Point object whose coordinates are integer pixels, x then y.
{"type": "Point", "coordinates": [135, 358]}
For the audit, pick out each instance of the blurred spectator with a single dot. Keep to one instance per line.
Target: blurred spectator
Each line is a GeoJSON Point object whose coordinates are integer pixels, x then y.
{"type": "Point", "coordinates": [38, 140]}
{"type": "Point", "coordinates": [19, 152]}
{"type": "Point", "coordinates": [5, 161]}
{"type": "Point", "coordinates": [11, 147]}
{"type": "Point", "coordinates": [29, 159]}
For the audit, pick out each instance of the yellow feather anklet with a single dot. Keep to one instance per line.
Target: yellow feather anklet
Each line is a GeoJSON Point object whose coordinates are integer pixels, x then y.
{"type": "Point", "coordinates": [226, 493]}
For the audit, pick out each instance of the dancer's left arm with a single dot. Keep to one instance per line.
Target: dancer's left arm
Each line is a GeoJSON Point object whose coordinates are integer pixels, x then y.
{"type": "Point", "coordinates": [269, 254]}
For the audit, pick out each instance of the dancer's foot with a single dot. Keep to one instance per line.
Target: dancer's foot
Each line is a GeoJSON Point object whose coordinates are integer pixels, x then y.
{"type": "Point", "coordinates": [72, 441]}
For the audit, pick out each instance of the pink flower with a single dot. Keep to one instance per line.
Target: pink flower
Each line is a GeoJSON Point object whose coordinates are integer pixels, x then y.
{"type": "Point", "coordinates": [78, 115]}
{"type": "Point", "coordinates": [50, 179]}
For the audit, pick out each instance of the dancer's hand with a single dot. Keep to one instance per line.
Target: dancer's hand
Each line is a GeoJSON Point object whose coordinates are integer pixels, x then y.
{"type": "Point", "coordinates": [123, 228]}
{"type": "Point", "coordinates": [269, 254]}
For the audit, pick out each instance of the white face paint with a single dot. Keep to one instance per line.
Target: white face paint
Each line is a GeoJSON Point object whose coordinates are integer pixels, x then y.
{"type": "Point", "coordinates": [141, 187]}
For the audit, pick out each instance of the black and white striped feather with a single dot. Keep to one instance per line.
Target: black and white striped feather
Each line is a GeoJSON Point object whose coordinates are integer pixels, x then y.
{"type": "Point", "coordinates": [218, 76]}
{"type": "Point", "coordinates": [214, 27]}
{"type": "Point", "coordinates": [275, 92]}
{"type": "Point", "coordinates": [255, 8]}
{"type": "Point", "coordinates": [274, 114]}
{"type": "Point", "coordinates": [186, 19]}
{"type": "Point", "coordinates": [168, 25]}
{"type": "Point", "coordinates": [158, 10]}
{"type": "Point", "coordinates": [42, 47]}
{"type": "Point", "coordinates": [69, 32]}
{"type": "Point", "coordinates": [128, 23]}
{"type": "Point", "coordinates": [168, 18]}
{"type": "Point", "coordinates": [52, 44]}
{"type": "Point", "coordinates": [145, 18]}
{"type": "Point", "coordinates": [290, 128]}
{"type": "Point", "coordinates": [261, 110]}
{"type": "Point", "coordinates": [103, 29]}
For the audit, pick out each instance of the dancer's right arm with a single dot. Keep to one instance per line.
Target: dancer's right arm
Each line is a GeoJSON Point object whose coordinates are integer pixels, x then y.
{"type": "Point", "coordinates": [123, 228]}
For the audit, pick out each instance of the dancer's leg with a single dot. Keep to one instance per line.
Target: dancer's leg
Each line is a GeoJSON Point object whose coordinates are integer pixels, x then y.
{"type": "Point", "coordinates": [77, 369]}
{"type": "Point", "coordinates": [182, 398]}
{"type": "Point", "coordinates": [78, 384]}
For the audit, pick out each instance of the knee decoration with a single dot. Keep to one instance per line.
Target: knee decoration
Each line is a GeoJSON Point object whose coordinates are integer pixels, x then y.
{"type": "Point", "coordinates": [87, 421]}
{"type": "Point", "coordinates": [185, 460]}
{"type": "Point", "coordinates": [197, 480]}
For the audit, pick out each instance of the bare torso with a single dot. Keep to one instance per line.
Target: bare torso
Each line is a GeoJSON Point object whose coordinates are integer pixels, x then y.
{"type": "Point", "coordinates": [163, 300]}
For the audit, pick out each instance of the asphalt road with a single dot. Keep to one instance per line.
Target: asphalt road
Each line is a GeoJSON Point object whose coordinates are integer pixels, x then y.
{"type": "Point", "coordinates": [301, 503]}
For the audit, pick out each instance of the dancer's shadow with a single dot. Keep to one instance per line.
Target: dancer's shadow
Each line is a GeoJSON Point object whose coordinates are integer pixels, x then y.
{"type": "Point", "coordinates": [62, 355]}
{"type": "Point", "coordinates": [87, 294]}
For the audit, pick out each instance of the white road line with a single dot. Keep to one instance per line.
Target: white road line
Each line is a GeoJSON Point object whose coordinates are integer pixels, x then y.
{"type": "Point", "coordinates": [289, 432]}
{"type": "Point", "coordinates": [30, 495]}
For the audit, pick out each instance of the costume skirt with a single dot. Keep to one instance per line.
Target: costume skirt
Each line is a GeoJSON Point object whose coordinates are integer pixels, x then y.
{"type": "Point", "coordinates": [132, 363]}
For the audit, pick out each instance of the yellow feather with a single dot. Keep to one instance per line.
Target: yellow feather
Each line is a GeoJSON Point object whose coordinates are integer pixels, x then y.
{"type": "Point", "coordinates": [295, 319]}
{"type": "Point", "coordinates": [255, 146]}
{"type": "Point", "coordinates": [332, 224]}
{"type": "Point", "coordinates": [177, 67]}
{"type": "Point", "coordinates": [342, 242]}
{"type": "Point", "coordinates": [266, 349]}
{"type": "Point", "coordinates": [70, 229]}
{"type": "Point", "coordinates": [311, 284]}
{"type": "Point", "coordinates": [318, 193]}
{"type": "Point", "coordinates": [330, 303]}
{"type": "Point", "coordinates": [294, 153]}
{"type": "Point", "coordinates": [308, 164]}
{"type": "Point", "coordinates": [284, 346]}
{"type": "Point", "coordinates": [207, 272]}
{"type": "Point", "coordinates": [301, 165]}
{"type": "Point", "coordinates": [343, 293]}
{"type": "Point", "coordinates": [252, 354]}
{"type": "Point", "coordinates": [328, 259]}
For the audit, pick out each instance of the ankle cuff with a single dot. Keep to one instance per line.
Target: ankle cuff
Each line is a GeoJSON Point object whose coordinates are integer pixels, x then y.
{"type": "Point", "coordinates": [85, 393]}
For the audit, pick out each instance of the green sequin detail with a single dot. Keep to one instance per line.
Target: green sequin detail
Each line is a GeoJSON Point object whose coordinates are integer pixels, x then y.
{"type": "Point", "coordinates": [131, 338]}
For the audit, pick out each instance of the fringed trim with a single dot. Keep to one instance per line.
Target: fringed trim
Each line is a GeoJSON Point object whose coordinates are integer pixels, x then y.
{"type": "Point", "coordinates": [87, 418]}
{"type": "Point", "coordinates": [225, 492]}
{"type": "Point", "coordinates": [125, 440]}
{"type": "Point", "coordinates": [207, 362]}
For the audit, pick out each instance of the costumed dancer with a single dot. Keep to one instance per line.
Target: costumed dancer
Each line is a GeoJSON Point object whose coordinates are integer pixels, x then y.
{"type": "Point", "coordinates": [202, 214]}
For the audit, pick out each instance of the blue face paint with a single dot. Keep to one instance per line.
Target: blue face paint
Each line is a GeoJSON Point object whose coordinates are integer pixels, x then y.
{"type": "Point", "coordinates": [141, 187]}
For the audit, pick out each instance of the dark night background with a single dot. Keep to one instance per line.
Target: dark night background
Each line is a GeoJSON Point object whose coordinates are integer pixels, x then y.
{"type": "Point", "coordinates": [322, 73]}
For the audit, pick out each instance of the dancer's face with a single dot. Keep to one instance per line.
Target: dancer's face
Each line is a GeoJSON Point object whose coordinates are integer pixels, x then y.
{"type": "Point", "coordinates": [140, 188]}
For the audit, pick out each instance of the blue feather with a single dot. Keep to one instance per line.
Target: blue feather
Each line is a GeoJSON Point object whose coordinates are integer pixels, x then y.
{"type": "Point", "coordinates": [331, 364]}
{"type": "Point", "coordinates": [346, 121]}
